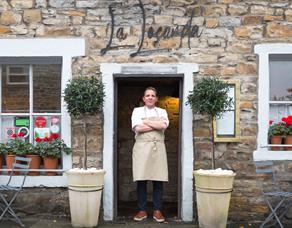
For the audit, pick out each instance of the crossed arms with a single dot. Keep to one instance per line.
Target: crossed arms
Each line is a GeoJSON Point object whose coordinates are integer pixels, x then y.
{"type": "Point", "coordinates": [151, 125]}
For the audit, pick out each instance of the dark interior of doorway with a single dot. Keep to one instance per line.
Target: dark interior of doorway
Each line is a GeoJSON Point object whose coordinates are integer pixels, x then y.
{"type": "Point", "coordinates": [129, 95]}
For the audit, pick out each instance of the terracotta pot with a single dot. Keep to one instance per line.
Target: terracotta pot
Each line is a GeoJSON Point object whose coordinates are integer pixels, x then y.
{"type": "Point", "coordinates": [9, 163]}
{"type": "Point", "coordinates": [276, 139]}
{"type": "Point", "coordinates": [35, 163]}
{"type": "Point", "coordinates": [1, 162]}
{"type": "Point", "coordinates": [51, 163]}
{"type": "Point", "coordinates": [288, 140]}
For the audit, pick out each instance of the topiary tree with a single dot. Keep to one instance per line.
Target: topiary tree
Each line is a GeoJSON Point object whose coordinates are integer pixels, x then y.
{"type": "Point", "coordinates": [84, 96]}
{"type": "Point", "coordinates": [210, 97]}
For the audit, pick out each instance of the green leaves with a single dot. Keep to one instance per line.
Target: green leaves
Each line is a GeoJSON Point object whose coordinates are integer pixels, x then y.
{"type": "Point", "coordinates": [84, 96]}
{"type": "Point", "coordinates": [3, 149]}
{"type": "Point", "coordinates": [210, 97]}
{"type": "Point", "coordinates": [52, 148]}
{"type": "Point", "coordinates": [18, 146]}
{"type": "Point", "coordinates": [278, 129]}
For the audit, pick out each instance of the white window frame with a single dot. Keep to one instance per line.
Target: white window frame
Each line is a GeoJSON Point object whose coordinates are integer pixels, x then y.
{"type": "Point", "coordinates": [67, 49]}
{"type": "Point", "coordinates": [19, 75]}
{"type": "Point", "coordinates": [263, 51]}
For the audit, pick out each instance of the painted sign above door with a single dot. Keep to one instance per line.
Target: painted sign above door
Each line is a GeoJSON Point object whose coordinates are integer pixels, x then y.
{"type": "Point", "coordinates": [158, 33]}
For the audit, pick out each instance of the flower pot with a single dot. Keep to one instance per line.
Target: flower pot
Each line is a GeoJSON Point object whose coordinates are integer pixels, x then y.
{"type": "Point", "coordinates": [288, 140]}
{"type": "Point", "coordinates": [85, 188]}
{"type": "Point", "coordinates": [213, 192]}
{"type": "Point", "coordinates": [9, 158]}
{"type": "Point", "coordinates": [1, 162]}
{"type": "Point", "coordinates": [276, 139]}
{"type": "Point", "coordinates": [34, 164]}
{"type": "Point", "coordinates": [51, 163]}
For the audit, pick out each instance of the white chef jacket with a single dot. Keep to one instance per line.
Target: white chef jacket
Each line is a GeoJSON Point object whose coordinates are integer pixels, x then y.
{"type": "Point", "coordinates": [143, 112]}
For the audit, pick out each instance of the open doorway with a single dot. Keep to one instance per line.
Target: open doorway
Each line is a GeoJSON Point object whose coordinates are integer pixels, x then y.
{"type": "Point", "coordinates": [128, 94]}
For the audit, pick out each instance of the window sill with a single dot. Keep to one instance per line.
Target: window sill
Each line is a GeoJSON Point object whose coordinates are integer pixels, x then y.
{"type": "Point", "coordinates": [265, 155]}
{"type": "Point", "coordinates": [37, 181]}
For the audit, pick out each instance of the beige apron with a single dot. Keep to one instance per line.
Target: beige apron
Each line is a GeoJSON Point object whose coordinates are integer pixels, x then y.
{"type": "Point", "coordinates": [149, 156]}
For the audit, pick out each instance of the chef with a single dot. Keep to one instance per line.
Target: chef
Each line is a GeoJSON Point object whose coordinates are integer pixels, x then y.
{"type": "Point", "coordinates": [149, 154]}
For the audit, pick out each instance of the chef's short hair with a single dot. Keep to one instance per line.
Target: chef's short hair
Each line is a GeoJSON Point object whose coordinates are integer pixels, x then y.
{"type": "Point", "coordinates": [150, 88]}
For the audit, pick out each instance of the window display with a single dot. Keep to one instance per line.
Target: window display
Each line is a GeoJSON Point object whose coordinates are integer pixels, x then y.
{"type": "Point", "coordinates": [31, 102]}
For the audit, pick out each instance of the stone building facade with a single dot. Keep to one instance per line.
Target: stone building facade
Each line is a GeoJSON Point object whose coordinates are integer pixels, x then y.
{"type": "Point", "coordinates": [219, 36]}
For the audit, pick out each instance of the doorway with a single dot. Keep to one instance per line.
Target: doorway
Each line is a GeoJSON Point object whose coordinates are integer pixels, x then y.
{"type": "Point", "coordinates": [108, 70]}
{"type": "Point", "coordinates": [128, 94]}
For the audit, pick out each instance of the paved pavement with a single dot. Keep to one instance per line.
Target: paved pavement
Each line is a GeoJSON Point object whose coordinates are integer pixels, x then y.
{"type": "Point", "coordinates": [65, 223]}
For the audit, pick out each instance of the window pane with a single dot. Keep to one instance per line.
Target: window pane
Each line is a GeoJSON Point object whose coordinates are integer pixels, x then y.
{"type": "Point", "coordinates": [14, 124]}
{"type": "Point", "coordinates": [15, 88]}
{"type": "Point", "coordinates": [277, 111]}
{"type": "Point", "coordinates": [281, 80]}
{"type": "Point", "coordinates": [231, 94]}
{"type": "Point", "coordinates": [44, 126]}
{"type": "Point", "coordinates": [47, 88]}
{"type": "Point", "coordinates": [226, 124]}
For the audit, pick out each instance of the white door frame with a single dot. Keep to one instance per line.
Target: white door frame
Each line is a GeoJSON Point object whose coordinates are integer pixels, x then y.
{"type": "Point", "coordinates": [108, 70]}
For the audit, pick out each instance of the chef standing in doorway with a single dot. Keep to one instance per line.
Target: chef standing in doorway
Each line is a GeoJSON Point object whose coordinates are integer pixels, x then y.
{"type": "Point", "coordinates": [149, 154]}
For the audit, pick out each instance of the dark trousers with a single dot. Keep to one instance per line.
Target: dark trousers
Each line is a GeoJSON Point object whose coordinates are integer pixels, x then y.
{"type": "Point", "coordinates": [142, 195]}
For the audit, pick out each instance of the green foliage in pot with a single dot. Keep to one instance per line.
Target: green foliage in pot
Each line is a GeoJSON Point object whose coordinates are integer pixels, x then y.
{"type": "Point", "coordinates": [210, 97]}
{"type": "Point", "coordinates": [277, 129]}
{"type": "Point", "coordinates": [52, 146]}
{"type": "Point", "coordinates": [3, 149]}
{"type": "Point", "coordinates": [17, 145]}
{"type": "Point", "coordinates": [84, 96]}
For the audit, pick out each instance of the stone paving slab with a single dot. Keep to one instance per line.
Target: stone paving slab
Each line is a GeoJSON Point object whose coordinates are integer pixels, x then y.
{"type": "Point", "coordinates": [65, 223]}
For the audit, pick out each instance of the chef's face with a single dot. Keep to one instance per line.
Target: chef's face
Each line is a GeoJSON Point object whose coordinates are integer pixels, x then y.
{"type": "Point", "coordinates": [150, 98]}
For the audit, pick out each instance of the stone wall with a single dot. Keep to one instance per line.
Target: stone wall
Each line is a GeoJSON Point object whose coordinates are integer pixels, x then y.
{"type": "Point", "coordinates": [228, 31]}
{"type": "Point", "coordinates": [43, 203]}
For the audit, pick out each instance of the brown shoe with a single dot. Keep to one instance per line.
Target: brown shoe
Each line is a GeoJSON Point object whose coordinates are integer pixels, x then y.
{"type": "Point", "coordinates": [157, 215]}
{"type": "Point", "coordinates": [141, 215]}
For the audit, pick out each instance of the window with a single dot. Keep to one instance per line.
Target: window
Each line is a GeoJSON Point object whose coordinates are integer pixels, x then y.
{"type": "Point", "coordinates": [23, 103]}
{"type": "Point", "coordinates": [227, 127]}
{"type": "Point", "coordinates": [17, 74]}
{"type": "Point", "coordinates": [274, 95]}
{"type": "Point", "coordinates": [24, 65]}
{"type": "Point", "coordinates": [280, 86]}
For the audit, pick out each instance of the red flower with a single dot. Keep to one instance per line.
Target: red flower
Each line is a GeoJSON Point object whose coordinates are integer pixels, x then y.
{"type": "Point", "coordinates": [20, 134]}
{"type": "Point", "coordinates": [14, 135]}
{"type": "Point", "coordinates": [270, 122]}
{"type": "Point", "coordinates": [54, 136]}
{"type": "Point", "coordinates": [38, 139]}
{"type": "Point", "coordinates": [287, 120]}
{"type": "Point", "coordinates": [46, 139]}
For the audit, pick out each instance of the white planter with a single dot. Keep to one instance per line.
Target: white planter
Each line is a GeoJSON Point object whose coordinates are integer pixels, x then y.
{"type": "Point", "coordinates": [85, 188]}
{"type": "Point", "coordinates": [213, 192]}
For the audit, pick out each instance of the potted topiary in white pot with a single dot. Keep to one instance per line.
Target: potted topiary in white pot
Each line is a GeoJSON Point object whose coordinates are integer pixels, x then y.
{"type": "Point", "coordinates": [84, 97]}
{"type": "Point", "coordinates": [213, 187]}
